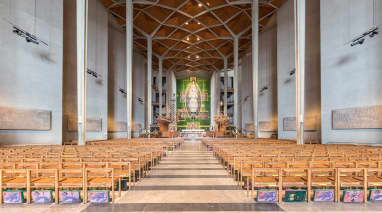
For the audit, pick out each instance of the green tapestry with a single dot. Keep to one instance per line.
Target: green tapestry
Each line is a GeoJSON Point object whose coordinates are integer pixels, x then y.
{"type": "Point", "coordinates": [193, 103]}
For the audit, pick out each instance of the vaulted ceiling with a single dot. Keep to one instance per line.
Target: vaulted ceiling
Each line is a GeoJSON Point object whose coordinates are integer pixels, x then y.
{"type": "Point", "coordinates": [193, 36]}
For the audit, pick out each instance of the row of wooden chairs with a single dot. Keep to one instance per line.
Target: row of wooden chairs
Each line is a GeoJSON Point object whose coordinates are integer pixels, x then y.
{"type": "Point", "coordinates": [278, 164]}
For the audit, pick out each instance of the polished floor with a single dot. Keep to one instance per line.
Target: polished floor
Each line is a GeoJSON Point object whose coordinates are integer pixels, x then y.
{"type": "Point", "coordinates": [190, 179]}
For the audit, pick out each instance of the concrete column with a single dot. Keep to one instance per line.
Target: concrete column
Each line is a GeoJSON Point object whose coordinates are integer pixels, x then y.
{"type": "Point", "coordinates": [82, 30]}
{"type": "Point", "coordinates": [160, 86]}
{"type": "Point", "coordinates": [300, 68]}
{"type": "Point", "coordinates": [255, 65]}
{"type": "Point", "coordinates": [236, 81]}
{"type": "Point", "coordinates": [225, 86]}
{"type": "Point", "coordinates": [149, 81]}
{"type": "Point", "coordinates": [129, 65]}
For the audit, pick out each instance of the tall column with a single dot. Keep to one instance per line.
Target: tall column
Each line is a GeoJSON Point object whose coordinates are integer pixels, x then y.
{"type": "Point", "coordinates": [236, 81]}
{"type": "Point", "coordinates": [255, 65]}
{"type": "Point", "coordinates": [160, 86]}
{"type": "Point", "coordinates": [82, 29]}
{"type": "Point", "coordinates": [300, 68]}
{"type": "Point", "coordinates": [149, 81]}
{"type": "Point", "coordinates": [129, 65]}
{"type": "Point", "coordinates": [225, 86]}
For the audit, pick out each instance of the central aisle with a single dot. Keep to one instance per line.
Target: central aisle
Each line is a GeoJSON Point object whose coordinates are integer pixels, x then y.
{"type": "Point", "coordinates": [188, 175]}
{"type": "Point", "coordinates": [188, 179]}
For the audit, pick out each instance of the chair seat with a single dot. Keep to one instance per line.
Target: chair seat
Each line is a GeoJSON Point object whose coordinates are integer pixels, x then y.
{"type": "Point", "coordinates": [351, 181]}
{"type": "Point", "coordinates": [16, 182]}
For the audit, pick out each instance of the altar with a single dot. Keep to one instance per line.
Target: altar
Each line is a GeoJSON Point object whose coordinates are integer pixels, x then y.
{"type": "Point", "coordinates": [193, 133]}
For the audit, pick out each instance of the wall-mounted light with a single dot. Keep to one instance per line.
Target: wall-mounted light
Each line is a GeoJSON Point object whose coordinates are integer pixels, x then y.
{"type": "Point", "coordinates": [361, 39]}
{"type": "Point", "coordinates": [140, 100]}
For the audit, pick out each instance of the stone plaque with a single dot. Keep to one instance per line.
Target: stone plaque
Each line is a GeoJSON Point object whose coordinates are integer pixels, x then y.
{"type": "Point", "coordinates": [117, 126]}
{"type": "Point", "coordinates": [357, 118]}
{"type": "Point", "coordinates": [24, 119]}
{"type": "Point", "coordinates": [268, 126]}
{"type": "Point", "coordinates": [92, 125]}
{"type": "Point", "coordinates": [311, 123]}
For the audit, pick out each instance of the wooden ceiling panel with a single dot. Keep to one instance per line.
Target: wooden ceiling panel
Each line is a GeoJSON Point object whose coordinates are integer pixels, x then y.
{"type": "Point", "coordinates": [208, 19]}
{"type": "Point", "coordinates": [170, 3]}
{"type": "Point", "coordinates": [181, 45]}
{"type": "Point", "coordinates": [205, 46]}
{"type": "Point", "coordinates": [192, 26]}
{"type": "Point", "coordinates": [192, 49]}
{"type": "Point", "coordinates": [226, 13]}
{"type": "Point", "coordinates": [217, 42]}
{"type": "Point", "coordinates": [179, 34]}
{"type": "Point", "coordinates": [168, 42]}
{"type": "Point", "coordinates": [206, 34]}
{"type": "Point", "coordinates": [221, 31]}
{"type": "Point", "coordinates": [158, 48]}
{"type": "Point", "coordinates": [177, 19]}
{"type": "Point", "coordinates": [192, 8]}
{"type": "Point", "coordinates": [164, 31]}
{"type": "Point", "coordinates": [239, 23]}
{"type": "Point", "coordinates": [145, 23]}
{"type": "Point", "coordinates": [226, 49]}
{"type": "Point", "coordinates": [213, 3]}
{"type": "Point", "coordinates": [159, 13]}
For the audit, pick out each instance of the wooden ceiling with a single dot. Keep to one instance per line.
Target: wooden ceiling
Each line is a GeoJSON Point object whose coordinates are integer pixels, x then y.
{"type": "Point", "coordinates": [193, 36]}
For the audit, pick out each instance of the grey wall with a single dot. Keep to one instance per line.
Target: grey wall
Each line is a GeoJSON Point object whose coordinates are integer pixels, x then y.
{"type": "Point", "coordinates": [139, 91]}
{"type": "Point", "coordinates": [351, 76]}
{"type": "Point", "coordinates": [267, 77]}
{"type": "Point", "coordinates": [96, 88]}
{"type": "Point", "coordinates": [286, 63]}
{"type": "Point", "coordinates": [117, 111]}
{"type": "Point", "coordinates": [31, 75]}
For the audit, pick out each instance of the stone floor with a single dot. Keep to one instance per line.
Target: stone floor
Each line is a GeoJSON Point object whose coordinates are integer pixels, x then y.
{"type": "Point", "coordinates": [190, 179]}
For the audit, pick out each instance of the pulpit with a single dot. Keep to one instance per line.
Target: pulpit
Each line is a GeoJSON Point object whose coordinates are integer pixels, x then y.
{"type": "Point", "coordinates": [222, 122]}
{"type": "Point", "coordinates": [164, 126]}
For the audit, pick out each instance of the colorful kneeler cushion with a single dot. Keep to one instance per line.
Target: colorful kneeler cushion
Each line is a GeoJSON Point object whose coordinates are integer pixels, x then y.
{"type": "Point", "coordinates": [295, 195]}
{"type": "Point", "coordinates": [323, 195]}
{"type": "Point", "coordinates": [13, 196]}
{"type": "Point", "coordinates": [267, 196]}
{"type": "Point", "coordinates": [70, 196]}
{"type": "Point", "coordinates": [42, 196]}
{"type": "Point", "coordinates": [99, 196]}
{"type": "Point", "coordinates": [353, 196]}
{"type": "Point", "coordinates": [375, 195]}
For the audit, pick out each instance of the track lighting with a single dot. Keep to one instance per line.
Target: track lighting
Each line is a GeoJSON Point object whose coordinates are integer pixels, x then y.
{"type": "Point", "coordinates": [93, 73]}
{"type": "Point", "coordinates": [122, 91]}
{"type": "Point", "coordinates": [263, 89]}
{"type": "Point", "coordinates": [30, 38]}
{"type": "Point", "coordinates": [361, 39]}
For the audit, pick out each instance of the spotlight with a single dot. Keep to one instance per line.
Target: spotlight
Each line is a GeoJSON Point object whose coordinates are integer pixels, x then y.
{"type": "Point", "coordinates": [292, 72]}
{"type": "Point", "coordinates": [358, 42]}
{"type": "Point", "coordinates": [186, 23]}
{"type": "Point", "coordinates": [374, 33]}
{"type": "Point", "coordinates": [200, 5]}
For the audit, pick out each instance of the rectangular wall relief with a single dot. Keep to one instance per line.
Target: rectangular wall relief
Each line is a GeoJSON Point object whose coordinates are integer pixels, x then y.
{"type": "Point", "coordinates": [92, 125]}
{"type": "Point", "coordinates": [311, 123]}
{"type": "Point", "coordinates": [25, 119]}
{"type": "Point", "coordinates": [357, 118]}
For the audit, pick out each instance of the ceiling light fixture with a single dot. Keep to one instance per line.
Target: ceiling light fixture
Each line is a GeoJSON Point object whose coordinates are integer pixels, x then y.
{"type": "Point", "coordinates": [200, 5]}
